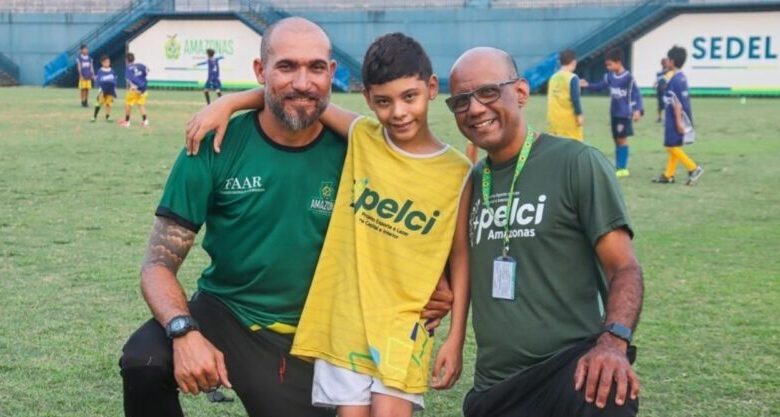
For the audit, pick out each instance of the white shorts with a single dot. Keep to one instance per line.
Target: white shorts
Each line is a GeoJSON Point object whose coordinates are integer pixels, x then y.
{"type": "Point", "coordinates": [334, 386]}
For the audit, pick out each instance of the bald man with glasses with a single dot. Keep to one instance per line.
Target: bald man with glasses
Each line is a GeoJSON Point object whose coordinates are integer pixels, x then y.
{"type": "Point", "coordinates": [556, 288]}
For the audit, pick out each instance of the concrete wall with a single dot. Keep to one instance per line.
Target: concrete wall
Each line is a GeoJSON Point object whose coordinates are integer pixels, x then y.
{"type": "Point", "coordinates": [528, 34]}
{"type": "Point", "coordinates": [31, 40]}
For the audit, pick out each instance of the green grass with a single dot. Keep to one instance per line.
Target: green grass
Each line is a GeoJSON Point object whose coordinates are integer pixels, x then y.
{"type": "Point", "coordinates": [78, 200]}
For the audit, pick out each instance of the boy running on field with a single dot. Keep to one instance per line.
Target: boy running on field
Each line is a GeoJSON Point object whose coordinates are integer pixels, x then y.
{"type": "Point", "coordinates": [679, 121]}
{"type": "Point", "coordinates": [135, 74]}
{"type": "Point", "coordinates": [625, 107]}
{"type": "Point", "coordinates": [106, 81]}
{"type": "Point", "coordinates": [399, 219]}
{"type": "Point", "coordinates": [564, 111]}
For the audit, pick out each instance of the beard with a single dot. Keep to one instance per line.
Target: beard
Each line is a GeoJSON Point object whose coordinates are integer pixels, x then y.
{"type": "Point", "coordinates": [298, 118]}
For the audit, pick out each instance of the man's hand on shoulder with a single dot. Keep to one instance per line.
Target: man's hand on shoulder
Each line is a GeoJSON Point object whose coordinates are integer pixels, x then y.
{"type": "Point", "coordinates": [604, 363]}
{"type": "Point", "coordinates": [198, 366]}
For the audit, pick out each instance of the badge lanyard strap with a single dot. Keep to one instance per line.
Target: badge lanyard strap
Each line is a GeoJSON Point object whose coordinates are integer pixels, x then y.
{"type": "Point", "coordinates": [487, 183]}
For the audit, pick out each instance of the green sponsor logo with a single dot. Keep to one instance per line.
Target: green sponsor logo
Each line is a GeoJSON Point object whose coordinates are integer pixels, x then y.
{"type": "Point", "coordinates": [172, 48]}
{"type": "Point", "coordinates": [322, 203]}
{"type": "Point", "coordinates": [391, 213]}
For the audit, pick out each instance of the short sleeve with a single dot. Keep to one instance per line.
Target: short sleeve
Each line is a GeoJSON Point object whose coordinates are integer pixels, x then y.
{"type": "Point", "coordinates": [188, 191]}
{"type": "Point", "coordinates": [597, 195]}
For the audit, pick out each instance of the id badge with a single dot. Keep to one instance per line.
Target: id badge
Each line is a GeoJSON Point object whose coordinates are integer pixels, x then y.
{"type": "Point", "coordinates": [504, 270]}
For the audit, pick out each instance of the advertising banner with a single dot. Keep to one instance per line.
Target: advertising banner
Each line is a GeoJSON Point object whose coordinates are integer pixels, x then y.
{"type": "Point", "coordinates": [728, 53]}
{"type": "Point", "coordinates": [175, 52]}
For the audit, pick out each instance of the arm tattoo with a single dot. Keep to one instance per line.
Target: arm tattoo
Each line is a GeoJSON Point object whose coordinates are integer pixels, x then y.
{"type": "Point", "coordinates": [168, 245]}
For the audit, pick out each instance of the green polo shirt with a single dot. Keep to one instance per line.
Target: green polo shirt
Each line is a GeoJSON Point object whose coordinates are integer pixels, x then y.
{"type": "Point", "coordinates": [565, 199]}
{"type": "Point", "coordinates": [266, 208]}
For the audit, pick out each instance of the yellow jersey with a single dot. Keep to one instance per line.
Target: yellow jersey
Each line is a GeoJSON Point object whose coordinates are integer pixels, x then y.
{"type": "Point", "coordinates": [389, 238]}
{"type": "Point", "coordinates": [561, 120]}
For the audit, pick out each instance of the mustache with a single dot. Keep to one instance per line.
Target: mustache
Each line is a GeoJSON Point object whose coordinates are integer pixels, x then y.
{"type": "Point", "coordinates": [299, 95]}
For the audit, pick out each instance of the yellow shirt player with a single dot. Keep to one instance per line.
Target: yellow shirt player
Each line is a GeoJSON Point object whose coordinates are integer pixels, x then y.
{"type": "Point", "coordinates": [400, 200]}
{"type": "Point", "coordinates": [564, 111]}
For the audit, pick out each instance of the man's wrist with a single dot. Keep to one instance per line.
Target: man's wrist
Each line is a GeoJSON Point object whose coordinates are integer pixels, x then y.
{"type": "Point", "coordinates": [180, 326]}
{"type": "Point", "coordinates": [613, 341]}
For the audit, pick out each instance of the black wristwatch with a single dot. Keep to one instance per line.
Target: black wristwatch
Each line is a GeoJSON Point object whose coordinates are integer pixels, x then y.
{"type": "Point", "coordinates": [619, 331]}
{"type": "Point", "coordinates": [180, 325]}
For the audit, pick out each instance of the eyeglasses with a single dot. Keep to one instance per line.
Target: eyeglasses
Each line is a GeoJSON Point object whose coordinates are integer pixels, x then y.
{"type": "Point", "coordinates": [485, 94]}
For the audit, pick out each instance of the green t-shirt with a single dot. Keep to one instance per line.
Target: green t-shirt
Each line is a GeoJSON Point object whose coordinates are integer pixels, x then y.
{"type": "Point", "coordinates": [266, 208]}
{"type": "Point", "coordinates": [565, 199]}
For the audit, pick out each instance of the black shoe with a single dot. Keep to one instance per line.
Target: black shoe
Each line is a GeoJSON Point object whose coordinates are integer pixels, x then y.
{"type": "Point", "coordinates": [663, 179]}
{"type": "Point", "coordinates": [694, 175]}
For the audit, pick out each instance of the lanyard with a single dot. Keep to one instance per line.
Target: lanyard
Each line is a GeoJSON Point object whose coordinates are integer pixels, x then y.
{"type": "Point", "coordinates": [487, 183]}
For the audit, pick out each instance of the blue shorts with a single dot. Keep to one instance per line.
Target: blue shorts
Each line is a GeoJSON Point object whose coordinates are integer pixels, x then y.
{"type": "Point", "coordinates": [622, 127]}
{"type": "Point", "coordinates": [213, 84]}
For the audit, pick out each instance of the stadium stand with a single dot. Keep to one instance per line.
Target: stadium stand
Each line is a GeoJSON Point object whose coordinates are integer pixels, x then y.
{"type": "Point", "coordinates": [9, 72]}
{"type": "Point", "coordinates": [62, 6]}
{"type": "Point", "coordinates": [445, 27]}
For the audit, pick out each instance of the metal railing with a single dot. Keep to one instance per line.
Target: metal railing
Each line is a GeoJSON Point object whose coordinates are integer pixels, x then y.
{"type": "Point", "coordinates": [108, 30]}
{"type": "Point", "coordinates": [62, 6]}
{"type": "Point", "coordinates": [609, 33]}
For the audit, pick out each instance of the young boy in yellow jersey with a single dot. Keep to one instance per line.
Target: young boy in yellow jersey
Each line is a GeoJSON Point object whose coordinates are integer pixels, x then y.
{"type": "Point", "coordinates": [400, 218]}
{"type": "Point", "coordinates": [564, 111]}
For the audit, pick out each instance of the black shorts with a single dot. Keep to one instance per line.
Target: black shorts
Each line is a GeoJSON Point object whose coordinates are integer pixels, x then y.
{"type": "Point", "coordinates": [546, 390]}
{"type": "Point", "coordinates": [269, 382]}
{"type": "Point", "coordinates": [622, 127]}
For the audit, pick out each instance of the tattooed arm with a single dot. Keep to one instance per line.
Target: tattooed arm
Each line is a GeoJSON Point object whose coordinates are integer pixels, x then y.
{"type": "Point", "coordinates": [198, 365]}
{"type": "Point", "coordinates": [168, 245]}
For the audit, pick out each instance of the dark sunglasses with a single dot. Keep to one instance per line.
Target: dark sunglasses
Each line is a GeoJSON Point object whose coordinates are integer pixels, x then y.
{"type": "Point", "coordinates": [485, 94]}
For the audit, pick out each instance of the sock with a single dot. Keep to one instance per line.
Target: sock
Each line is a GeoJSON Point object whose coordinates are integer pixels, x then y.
{"type": "Point", "coordinates": [108, 116]}
{"type": "Point", "coordinates": [208, 98]}
{"type": "Point", "coordinates": [621, 157]}
{"type": "Point", "coordinates": [127, 118]}
{"type": "Point", "coordinates": [671, 163]}
{"type": "Point", "coordinates": [219, 94]}
{"type": "Point", "coordinates": [143, 117]}
{"type": "Point", "coordinates": [97, 110]}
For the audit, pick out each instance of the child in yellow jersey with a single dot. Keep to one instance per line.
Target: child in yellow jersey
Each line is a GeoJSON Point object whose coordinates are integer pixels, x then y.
{"type": "Point", "coordinates": [401, 199]}
{"type": "Point", "coordinates": [564, 111]}
{"type": "Point", "coordinates": [399, 220]}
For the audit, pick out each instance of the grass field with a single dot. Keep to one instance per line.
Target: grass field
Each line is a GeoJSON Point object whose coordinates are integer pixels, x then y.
{"type": "Point", "coordinates": [78, 200]}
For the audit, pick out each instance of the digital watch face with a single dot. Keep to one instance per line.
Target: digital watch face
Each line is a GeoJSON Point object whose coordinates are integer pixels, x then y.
{"type": "Point", "coordinates": [178, 325]}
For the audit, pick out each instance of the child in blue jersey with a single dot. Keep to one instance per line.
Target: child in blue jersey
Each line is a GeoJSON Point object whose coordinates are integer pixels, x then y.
{"type": "Point", "coordinates": [213, 82]}
{"type": "Point", "coordinates": [625, 108]}
{"type": "Point", "coordinates": [135, 74]}
{"type": "Point", "coordinates": [661, 78]}
{"type": "Point", "coordinates": [106, 82]}
{"type": "Point", "coordinates": [679, 121]}
{"type": "Point", "coordinates": [86, 71]}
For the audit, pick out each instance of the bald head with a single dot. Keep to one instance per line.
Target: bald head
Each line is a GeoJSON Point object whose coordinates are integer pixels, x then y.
{"type": "Point", "coordinates": [291, 27]}
{"type": "Point", "coordinates": [486, 56]}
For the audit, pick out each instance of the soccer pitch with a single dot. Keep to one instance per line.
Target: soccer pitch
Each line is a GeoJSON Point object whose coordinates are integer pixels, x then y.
{"type": "Point", "coordinates": [78, 200]}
